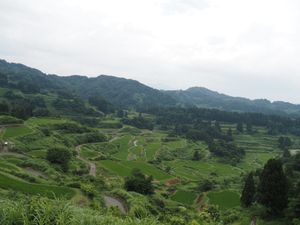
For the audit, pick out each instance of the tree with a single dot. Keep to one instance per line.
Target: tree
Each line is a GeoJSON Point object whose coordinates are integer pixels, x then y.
{"type": "Point", "coordinates": [138, 182]}
{"type": "Point", "coordinates": [240, 127]}
{"type": "Point", "coordinates": [205, 185]}
{"type": "Point", "coordinates": [284, 142]}
{"type": "Point", "coordinates": [59, 156]}
{"type": "Point", "coordinates": [249, 128]}
{"type": "Point", "coordinates": [273, 187]}
{"type": "Point", "coordinates": [196, 156]}
{"type": "Point", "coordinates": [217, 126]}
{"type": "Point", "coordinates": [248, 192]}
{"type": "Point", "coordinates": [229, 136]}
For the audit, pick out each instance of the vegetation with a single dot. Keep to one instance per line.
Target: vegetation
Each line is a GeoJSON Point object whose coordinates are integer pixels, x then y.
{"type": "Point", "coordinates": [138, 182]}
{"type": "Point", "coordinates": [60, 156]}
{"type": "Point", "coordinates": [70, 147]}
{"type": "Point", "coordinates": [273, 187]}
{"type": "Point", "coordinates": [248, 192]}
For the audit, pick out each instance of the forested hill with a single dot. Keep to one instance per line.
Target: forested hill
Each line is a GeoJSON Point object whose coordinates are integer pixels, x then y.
{"type": "Point", "coordinates": [205, 98]}
{"type": "Point", "coordinates": [104, 93]}
{"type": "Point", "coordinates": [119, 91]}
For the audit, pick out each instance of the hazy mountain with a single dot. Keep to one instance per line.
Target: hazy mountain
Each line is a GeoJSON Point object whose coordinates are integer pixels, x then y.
{"type": "Point", "coordinates": [104, 91]}
{"type": "Point", "coordinates": [203, 97]}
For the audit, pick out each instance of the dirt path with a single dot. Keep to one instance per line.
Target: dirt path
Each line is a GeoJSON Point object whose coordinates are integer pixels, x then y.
{"type": "Point", "coordinates": [92, 165]}
{"type": "Point", "coordinates": [113, 139]}
{"type": "Point", "coordinates": [111, 201]}
{"type": "Point", "coordinates": [253, 221]}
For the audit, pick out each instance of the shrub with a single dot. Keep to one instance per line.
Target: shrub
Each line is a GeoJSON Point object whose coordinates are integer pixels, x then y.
{"type": "Point", "coordinates": [59, 156]}
{"type": "Point", "coordinates": [138, 182]}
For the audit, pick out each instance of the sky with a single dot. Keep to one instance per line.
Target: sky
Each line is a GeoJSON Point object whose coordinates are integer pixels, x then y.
{"type": "Point", "coordinates": [247, 48]}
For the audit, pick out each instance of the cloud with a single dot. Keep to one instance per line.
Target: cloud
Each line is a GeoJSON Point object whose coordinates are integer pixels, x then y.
{"type": "Point", "coordinates": [244, 48]}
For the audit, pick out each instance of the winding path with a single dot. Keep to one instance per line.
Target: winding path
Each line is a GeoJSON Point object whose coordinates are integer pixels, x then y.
{"type": "Point", "coordinates": [109, 201]}
{"type": "Point", "coordinates": [112, 202]}
{"type": "Point", "coordinates": [92, 165]}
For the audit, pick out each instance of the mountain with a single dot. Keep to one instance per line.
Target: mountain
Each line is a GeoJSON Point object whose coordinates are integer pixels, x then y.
{"type": "Point", "coordinates": [80, 94]}
{"type": "Point", "coordinates": [22, 85]}
{"type": "Point", "coordinates": [205, 98]}
{"type": "Point", "coordinates": [125, 93]}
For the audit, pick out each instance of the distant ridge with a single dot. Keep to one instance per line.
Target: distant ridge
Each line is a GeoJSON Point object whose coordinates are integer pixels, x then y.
{"type": "Point", "coordinates": [128, 93]}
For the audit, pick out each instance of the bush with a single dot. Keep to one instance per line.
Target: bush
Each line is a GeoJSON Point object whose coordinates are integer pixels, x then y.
{"type": "Point", "coordinates": [59, 156]}
{"type": "Point", "coordinates": [138, 182]}
{"type": "Point", "coordinates": [9, 120]}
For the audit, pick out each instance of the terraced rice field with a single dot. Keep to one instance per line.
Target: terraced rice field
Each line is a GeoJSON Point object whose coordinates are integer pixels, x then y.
{"type": "Point", "coordinates": [224, 199]}
{"type": "Point", "coordinates": [185, 197]}
{"type": "Point", "coordinates": [10, 182]}
{"type": "Point", "coordinates": [11, 132]}
{"type": "Point", "coordinates": [124, 168]}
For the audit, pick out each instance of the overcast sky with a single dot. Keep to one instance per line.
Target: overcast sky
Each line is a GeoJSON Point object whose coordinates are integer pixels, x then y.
{"type": "Point", "coordinates": [248, 48]}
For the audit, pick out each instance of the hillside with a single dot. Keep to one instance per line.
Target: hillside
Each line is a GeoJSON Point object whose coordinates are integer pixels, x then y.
{"type": "Point", "coordinates": [108, 150]}
{"type": "Point", "coordinates": [205, 98]}
{"type": "Point", "coordinates": [106, 93]}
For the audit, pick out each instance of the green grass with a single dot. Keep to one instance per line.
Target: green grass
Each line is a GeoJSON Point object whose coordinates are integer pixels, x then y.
{"type": "Point", "coordinates": [9, 182]}
{"type": "Point", "coordinates": [224, 199]}
{"type": "Point", "coordinates": [88, 153]}
{"type": "Point", "coordinates": [194, 170]}
{"type": "Point", "coordinates": [254, 160]}
{"type": "Point", "coordinates": [45, 121]}
{"type": "Point", "coordinates": [151, 149]}
{"type": "Point", "coordinates": [9, 166]}
{"type": "Point", "coordinates": [11, 132]}
{"type": "Point", "coordinates": [2, 91]}
{"type": "Point", "coordinates": [124, 168]}
{"type": "Point", "coordinates": [185, 197]}
{"type": "Point", "coordinates": [38, 153]}
{"type": "Point", "coordinates": [123, 146]}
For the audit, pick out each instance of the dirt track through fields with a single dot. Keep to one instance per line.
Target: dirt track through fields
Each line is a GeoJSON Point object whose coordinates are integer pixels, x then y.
{"type": "Point", "coordinates": [111, 201]}
{"type": "Point", "coordinates": [92, 165]}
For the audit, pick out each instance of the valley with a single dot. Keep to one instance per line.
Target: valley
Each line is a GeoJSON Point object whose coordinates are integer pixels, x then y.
{"type": "Point", "coordinates": [92, 155]}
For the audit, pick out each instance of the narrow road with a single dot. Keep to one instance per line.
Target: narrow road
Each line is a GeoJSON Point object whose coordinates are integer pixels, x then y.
{"type": "Point", "coordinates": [92, 165]}
{"type": "Point", "coordinates": [111, 201]}
{"type": "Point", "coordinates": [253, 221]}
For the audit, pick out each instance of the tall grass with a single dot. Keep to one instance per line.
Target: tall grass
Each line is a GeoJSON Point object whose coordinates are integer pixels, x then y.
{"type": "Point", "coordinates": [42, 211]}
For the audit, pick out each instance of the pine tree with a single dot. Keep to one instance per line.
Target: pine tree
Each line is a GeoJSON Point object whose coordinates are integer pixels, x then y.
{"type": "Point", "coordinates": [273, 187]}
{"type": "Point", "coordinates": [196, 156]}
{"type": "Point", "coordinates": [240, 127]}
{"type": "Point", "coordinates": [217, 126]}
{"type": "Point", "coordinates": [249, 128]}
{"type": "Point", "coordinates": [248, 193]}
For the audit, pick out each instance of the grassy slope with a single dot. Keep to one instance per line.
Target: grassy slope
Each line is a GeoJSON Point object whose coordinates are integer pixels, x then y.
{"type": "Point", "coordinates": [9, 182]}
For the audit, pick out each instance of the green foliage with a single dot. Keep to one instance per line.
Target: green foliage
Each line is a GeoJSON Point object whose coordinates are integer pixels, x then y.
{"type": "Point", "coordinates": [10, 120]}
{"type": "Point", "coordinates": [225, 199]}
{"type": "Point", "coordinates": [196, 156]}
{"type": "Point", "coordinates": [42, 211]}
{"type": "Point", "coordinates": [273, 187]}
{"type": "Point", "coordinates": [139, 122]}
{"type": "Point", "coordinates": [284, 142]}
{"type": "Point", "coordinates": [60, 156]}
{"type": "Point", "coordinates": [185, 197]}
{"type": "Point", "coordinates": [240, 127]}
{"type": "Point", "coordinates": [89, 189]}
{"type": "Point", "coordinates": [248, 192]}
{"type": "Point", "coordinates": [50, 191]}
{"type": "Point", "coordinates": [11, 132]}
{"type": "Point", "coordinates": [227, 151]}
{"type": "Point", "coordinates": [101, 104]}
{"type": "Point", "coordinates": [138, 182]}
{"type": "Point", "coordinates": [205, 185]}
